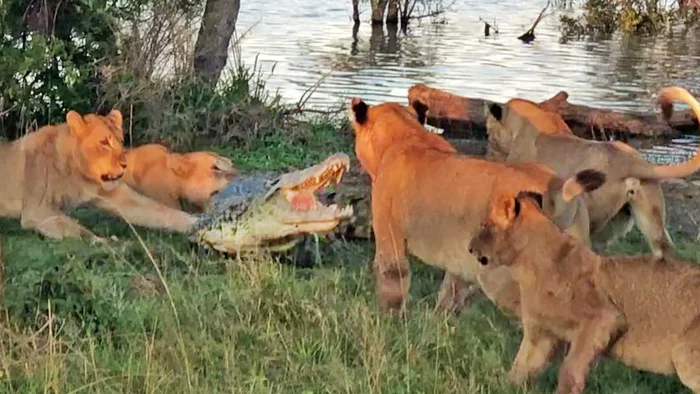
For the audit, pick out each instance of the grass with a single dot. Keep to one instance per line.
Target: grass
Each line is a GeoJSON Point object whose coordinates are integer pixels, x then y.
{"type": "Point", "coordinates": [96, 319]}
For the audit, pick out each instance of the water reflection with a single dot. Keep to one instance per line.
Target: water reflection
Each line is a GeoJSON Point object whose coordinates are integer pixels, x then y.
{"type": "Point", "coordinates": [307, 39]}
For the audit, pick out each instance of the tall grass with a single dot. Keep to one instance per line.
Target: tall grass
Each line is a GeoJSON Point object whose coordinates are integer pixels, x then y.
{"type": "Point", "coordinates": [97, 319]}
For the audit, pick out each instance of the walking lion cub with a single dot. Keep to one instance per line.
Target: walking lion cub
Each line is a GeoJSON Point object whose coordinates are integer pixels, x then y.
{"type": "Point", "coordinates": [643, 311]}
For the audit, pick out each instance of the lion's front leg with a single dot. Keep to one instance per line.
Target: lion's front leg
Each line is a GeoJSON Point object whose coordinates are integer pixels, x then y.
{"type": "Point", "coordinates": [142, 211]}
{"type": "Point", "coordinates": [593, 338]}
{"type": "Point", "coordinates": [39, 208]}
{"type": "Point", "coordinates": [534, 354]}
{"type": "Point", "coordinates": [53, 224]}
{"type": "Point", "coordinates": [391, 269]}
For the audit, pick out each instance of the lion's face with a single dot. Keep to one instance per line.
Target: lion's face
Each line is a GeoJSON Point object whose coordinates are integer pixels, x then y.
{"type": "Point", "coordinates": [100, 150]}
{"type": "Point", "coordinates": [502, 235]}
{"type": "Point", "coordinates": [202, 174]}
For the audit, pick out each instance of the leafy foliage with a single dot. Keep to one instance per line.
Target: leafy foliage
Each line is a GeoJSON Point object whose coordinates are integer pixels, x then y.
{"type": "Point", "coordinates": [602, 18]}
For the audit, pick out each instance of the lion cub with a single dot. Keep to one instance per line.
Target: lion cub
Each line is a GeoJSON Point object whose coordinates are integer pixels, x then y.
{"type": "Point", "coordinates": [643, 311]}
{"type": "Point", "coordinates": [169, 177]}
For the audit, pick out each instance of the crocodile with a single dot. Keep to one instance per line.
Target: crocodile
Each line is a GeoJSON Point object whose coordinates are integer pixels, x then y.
{"type": "Point", "coordinates": [272, 212]}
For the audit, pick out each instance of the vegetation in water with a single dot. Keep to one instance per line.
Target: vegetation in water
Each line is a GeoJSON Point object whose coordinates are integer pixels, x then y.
{"type": "Point", "coordinates": [602, 18]}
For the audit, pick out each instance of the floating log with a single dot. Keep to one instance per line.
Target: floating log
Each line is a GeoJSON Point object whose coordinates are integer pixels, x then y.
{"type": "Point", "coordinates": [464, 117]}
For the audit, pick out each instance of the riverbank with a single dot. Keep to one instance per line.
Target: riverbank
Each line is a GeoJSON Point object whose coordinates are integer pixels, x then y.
{"type": "Point", "coordinates": [148, 313]}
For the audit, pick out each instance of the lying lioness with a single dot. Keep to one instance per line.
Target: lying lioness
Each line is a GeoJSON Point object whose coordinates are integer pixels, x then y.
{"type": "Point", "coordinates": [169, 177]}
{"type": "Point", "coordinates": [631, 181]}
{"type": "Point", "coordinates": [428, 198]}
{"type": "Point", "coordinates": [643, 311]}
{"type": "Point", "coordinates": [80, 161]}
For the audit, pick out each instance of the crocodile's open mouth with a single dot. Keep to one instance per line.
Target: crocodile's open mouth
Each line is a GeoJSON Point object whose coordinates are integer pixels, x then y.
{"type": "Point", "coordinates": [303, 198]}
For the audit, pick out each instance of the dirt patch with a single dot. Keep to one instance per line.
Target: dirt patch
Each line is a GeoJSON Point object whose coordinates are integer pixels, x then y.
{"type": "Point", "coordinates": [683, 206]}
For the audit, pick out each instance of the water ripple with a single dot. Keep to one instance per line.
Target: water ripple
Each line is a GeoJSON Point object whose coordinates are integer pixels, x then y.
{"type": "Point", "coordinates": [305, 40]}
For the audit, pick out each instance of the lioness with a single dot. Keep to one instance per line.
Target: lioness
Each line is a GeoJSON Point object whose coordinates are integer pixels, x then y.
{"type": "Point", "coordinates": [80, 161]}
{"type": "Point", "coordinates": [428, 198]}
{"type": "Point", "coordinates": [643, 311]}
{"type": "Point", "coordinates": [545, 121]}
{"type": "Point", "coordinates": [632, 189]}
{"type": "Point", "coordinates": [168, 177]}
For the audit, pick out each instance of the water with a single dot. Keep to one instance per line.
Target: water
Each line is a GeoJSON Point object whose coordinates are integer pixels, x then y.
{"type": "Point", "coordinates": [305, 40]}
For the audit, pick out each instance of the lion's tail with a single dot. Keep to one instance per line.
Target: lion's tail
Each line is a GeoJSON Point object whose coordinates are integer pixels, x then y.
{"type": "Point", "coordinates": [680, 170]}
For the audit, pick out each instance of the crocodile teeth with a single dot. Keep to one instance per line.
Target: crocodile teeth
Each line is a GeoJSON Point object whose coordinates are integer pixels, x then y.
{"type": "Point", "coordinates": [346, 212]}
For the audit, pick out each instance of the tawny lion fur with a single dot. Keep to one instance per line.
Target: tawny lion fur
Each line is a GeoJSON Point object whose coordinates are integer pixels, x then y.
{"type": "Point", "coordinates": [169, 177]}
{"type": "Point", "coordinates": [429, 199]}
{"type": "Point", "coordinates": [631, 194]}
{"type": "Point", "coordinates": [545, 121]}
{"type": "Point", "coordinates": [80, 161]}
{"type": "Point", "coordinates": [643, 311]}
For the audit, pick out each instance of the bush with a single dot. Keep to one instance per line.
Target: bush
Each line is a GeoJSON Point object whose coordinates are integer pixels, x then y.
{"type": "Point", "coordinates": [134, 55]}
{"type": "Point", "coordinates": [602, 18]}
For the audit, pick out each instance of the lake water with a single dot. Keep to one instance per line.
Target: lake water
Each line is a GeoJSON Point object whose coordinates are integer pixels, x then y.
{"type": "Point", "coordinates": [305, 40]}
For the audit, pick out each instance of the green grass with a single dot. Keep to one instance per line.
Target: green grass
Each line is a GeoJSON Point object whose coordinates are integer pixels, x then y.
{"type": "Point", "coordinates": [76, 321]}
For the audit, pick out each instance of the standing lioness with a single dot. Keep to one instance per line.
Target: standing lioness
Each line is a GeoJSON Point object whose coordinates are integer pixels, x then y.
{"type": "Point", "coordinates": [644, 311]}
{"type": "Point", "coordinates": [630, 180]}
{"type": "Point", "coordinates": [428, 199]}
{"type": "Point", "coordinates": [80, 161]}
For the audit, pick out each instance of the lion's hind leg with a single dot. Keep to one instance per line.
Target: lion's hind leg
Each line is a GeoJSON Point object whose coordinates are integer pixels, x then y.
{"type": "Point", "coordinates": [649, 211]}
{"type": "Point", "coordinates": [454, 293]}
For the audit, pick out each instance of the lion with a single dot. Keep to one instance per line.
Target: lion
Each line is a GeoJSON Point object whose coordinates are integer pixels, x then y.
{"type": "Point", "coordinates": [169, 177]}
{"type": "Point", "coordinates": [80, 161]}
{"type": "Point", "coordinates": [632, 194]}
{"type": "Point", "coordinates": [643, 311]}
{"type": "Point", "coordinates": [428, 199]}
{"type": "Point", "coordinates": [544, 120]}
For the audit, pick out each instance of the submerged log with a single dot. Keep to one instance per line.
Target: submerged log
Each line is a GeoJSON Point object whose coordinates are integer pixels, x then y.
{"type": "Point", "coordinates": [466, 117]}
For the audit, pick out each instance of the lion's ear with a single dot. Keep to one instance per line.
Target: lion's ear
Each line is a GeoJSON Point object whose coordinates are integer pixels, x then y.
{"type": "Point", "coordinates": [116, 116]}
{"type": "Point", "coordinates": [76, 123]}
{"type": "Point", "coordinates": [583, 182]}
{"type": "Point", "coordinates": [504, 211]}
{"type": "Point", "coordinates": [421, 110]}
{"type": "Point", "coordinates": [497, 111]}
{"type": "Point", "coordinates": [359, 110]}
{"type": "Point", "coordinates": [536, 197]}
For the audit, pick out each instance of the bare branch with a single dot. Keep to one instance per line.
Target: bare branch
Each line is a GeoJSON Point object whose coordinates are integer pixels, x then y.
{"type": "Point", "coordinates": [488, 27]}
{"type": "Point", "coordinates": [530, 34]}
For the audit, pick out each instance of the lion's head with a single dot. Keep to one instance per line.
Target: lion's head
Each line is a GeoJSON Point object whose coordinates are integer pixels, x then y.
{"type": "Point", "coordinates": [201, 174]}
{"type": "Point", "coordinates": [508, 229]}
{"type": "Point", "coordinates": [380, 126]}
{"type": "Point", "coordinates": [99, 150]}
{"type": "Point", "coordinates": [504, 122]}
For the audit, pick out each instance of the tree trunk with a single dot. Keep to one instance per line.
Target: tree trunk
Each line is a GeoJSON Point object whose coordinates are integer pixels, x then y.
{"type": "Point", "coordinates": [211, 49]}
{"type": "Point", "coordinates": [2, 279]}
{"type": "Point", "coordinates": [392, 13]}
{"type": "Point", "coordinates": [378, 8]}
{"type": "Point", "coordinates": [466, 117]}
{"type": "Point", "coordinates": [356, 11]}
